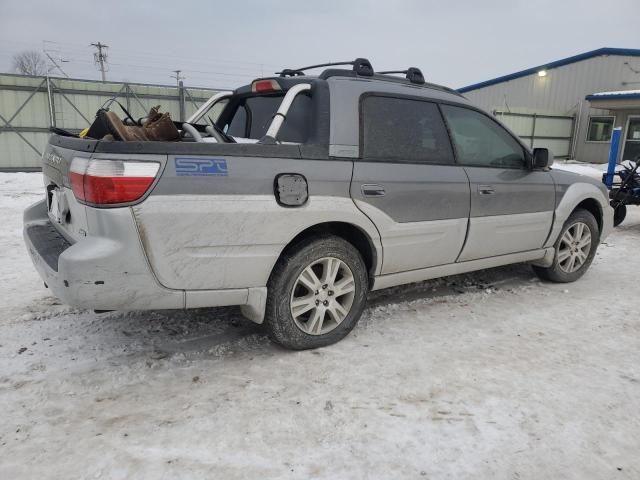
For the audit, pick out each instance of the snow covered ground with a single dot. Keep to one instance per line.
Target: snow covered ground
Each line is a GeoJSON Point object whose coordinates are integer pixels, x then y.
{"type": "Point", "coordinates": [489, 375]}
{"type": "Point", "coordinates": [588, 169]}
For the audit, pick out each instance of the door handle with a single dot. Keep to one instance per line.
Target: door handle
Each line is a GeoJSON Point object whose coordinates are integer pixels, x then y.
{"type": "Point", "coordinates": [486, 190]}
{"type": "Point", "coordinates": [372, 190]}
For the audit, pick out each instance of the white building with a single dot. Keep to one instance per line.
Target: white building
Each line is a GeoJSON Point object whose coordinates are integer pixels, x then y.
{"type": "Point", "coordinates": [571, 105]}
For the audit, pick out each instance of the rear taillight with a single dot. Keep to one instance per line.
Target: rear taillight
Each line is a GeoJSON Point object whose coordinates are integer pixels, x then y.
{"type": "Point", "coordinates": [106, 182]}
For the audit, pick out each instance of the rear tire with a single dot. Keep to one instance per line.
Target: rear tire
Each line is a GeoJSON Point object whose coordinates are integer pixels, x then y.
{"type": "Point", "coordinates": [324, 283]}
{"type": "Point", "coordinates": [574, 249]}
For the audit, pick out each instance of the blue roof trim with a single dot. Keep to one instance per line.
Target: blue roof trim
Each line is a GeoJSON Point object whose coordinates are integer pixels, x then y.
{"type": "Point", "coordinates": [631, 52]}
{"type": "Point", "coordinates": [613, 96]}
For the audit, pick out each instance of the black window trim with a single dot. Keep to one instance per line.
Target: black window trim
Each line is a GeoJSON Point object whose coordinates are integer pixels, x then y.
{"type": "Point", "coordinates": [400, 96]}
{"type": "Point", "coordinates": [528, 156]}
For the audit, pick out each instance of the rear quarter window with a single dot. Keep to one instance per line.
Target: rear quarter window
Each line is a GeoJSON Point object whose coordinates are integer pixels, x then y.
{"type": "Point", "coordinates": [403, 130]}
{"type": "Point", "coordinates": [253, 115]}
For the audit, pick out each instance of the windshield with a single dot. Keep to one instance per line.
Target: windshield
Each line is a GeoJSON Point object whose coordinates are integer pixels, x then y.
{"type": "Point", "coordinates": [253, 115]}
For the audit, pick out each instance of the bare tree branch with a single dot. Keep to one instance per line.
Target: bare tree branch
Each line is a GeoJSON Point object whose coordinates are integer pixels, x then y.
{"type": "Point", "coordinates": [30, 62]}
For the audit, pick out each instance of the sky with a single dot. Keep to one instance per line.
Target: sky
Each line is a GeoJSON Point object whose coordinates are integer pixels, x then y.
{"type": "Point", "coordinates": [226, 44]}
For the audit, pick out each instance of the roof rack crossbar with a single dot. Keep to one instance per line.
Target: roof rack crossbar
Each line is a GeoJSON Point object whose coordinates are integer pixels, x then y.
{"type": "Point", "coordinates": [413, 74]}
{"type": "Point", "coordinates": [361, 66]}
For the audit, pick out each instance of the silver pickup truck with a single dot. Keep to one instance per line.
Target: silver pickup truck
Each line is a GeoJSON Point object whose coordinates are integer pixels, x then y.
{"type": "Point", "coordinates": [296, 195]}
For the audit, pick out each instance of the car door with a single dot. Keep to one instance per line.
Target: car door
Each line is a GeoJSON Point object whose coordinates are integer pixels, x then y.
{"type": "Point", "coordinates": [511, 204]}
{"type": "Point", "coordinates": [407, 183]}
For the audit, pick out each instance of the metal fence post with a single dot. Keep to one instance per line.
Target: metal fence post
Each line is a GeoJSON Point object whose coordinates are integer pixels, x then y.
{"type": "Point", "coordinates": [571, 152]}
{"type": "Point", "coordinates": [52, 105]}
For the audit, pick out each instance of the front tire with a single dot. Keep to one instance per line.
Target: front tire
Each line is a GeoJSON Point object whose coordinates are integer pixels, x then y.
{"type": "Point", "coordinates": [316, 293]}
{"type": "Point", "coordinates": [574, 250]}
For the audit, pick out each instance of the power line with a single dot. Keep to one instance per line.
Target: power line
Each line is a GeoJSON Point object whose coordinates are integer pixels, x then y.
{"type": "Point", "coordinates": [100, 57]}
{"type": "Point", "coordinates": [150, 55]}
{"type": "Point", "coordinates": [202, 70]}
{"type": "Point", "coordinates": [146, 66]}
{"type": "Point", "coordinates": [160, 56]}
{"type": "Point", "coordinates": [233, 69]}
{"type": "Point", "coordinates": [121, 72]}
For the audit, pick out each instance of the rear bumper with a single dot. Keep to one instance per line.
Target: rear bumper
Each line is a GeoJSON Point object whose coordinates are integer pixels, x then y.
{"type": "Point", "coordinates": [95, 272]}
{"type": "Point", "coordinates": [109, 270]}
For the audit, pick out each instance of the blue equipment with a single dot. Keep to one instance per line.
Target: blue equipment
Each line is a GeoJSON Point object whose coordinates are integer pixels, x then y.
{"type": "Point", "coordinates": [627, 190]}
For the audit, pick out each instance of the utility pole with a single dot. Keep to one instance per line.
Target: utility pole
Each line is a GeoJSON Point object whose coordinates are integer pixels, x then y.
{"type": "Point", "coordinates": [177, 76]}
{"type": "Point", "coordinates": [100, 57]}
{"type": "Point", "coordinates": [181, 102]}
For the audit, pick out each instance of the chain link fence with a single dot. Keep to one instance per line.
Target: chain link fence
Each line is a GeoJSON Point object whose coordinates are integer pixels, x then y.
{"type": "Point", "coordinates": [30, 105]}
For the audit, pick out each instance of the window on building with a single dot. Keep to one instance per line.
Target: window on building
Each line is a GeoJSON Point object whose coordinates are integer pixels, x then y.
{"type": "Point", "coordinates": [600, 129]}
{"type": "Point", "coordinates": [404, 130]}
{"type": "Point", "coordinates": [481, 142]}
{"type": "Point", "coordinates": [633, 132]}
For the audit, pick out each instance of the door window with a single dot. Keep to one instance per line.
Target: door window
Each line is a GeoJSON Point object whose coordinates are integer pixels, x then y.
{"type": "Point", "coordinates": [482, 142]}
{"type": "Point", "coordinates": [404, 130]}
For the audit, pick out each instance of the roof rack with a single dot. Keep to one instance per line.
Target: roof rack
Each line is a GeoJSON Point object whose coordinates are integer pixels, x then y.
{"type": "Point", "coordinates": [361, 66]}
{"type": "Point", "coordinates": [413, 74]}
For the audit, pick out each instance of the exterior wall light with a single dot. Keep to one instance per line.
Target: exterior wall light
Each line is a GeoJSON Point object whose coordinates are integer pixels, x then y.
{"type": "Point", "coordinates": [542, 73]}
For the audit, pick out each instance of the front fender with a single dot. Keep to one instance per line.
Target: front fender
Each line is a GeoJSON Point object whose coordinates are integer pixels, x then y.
{"type": "Point", "coordinates": [575, 194]}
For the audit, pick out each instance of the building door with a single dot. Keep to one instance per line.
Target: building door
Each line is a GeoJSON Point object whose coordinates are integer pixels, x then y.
{"type": "Point", "coordinates": [631, 149]}
{"type": "Point", "coordinates": [406, 181]}
{"type": "Point", "coordinates": [511, 205]}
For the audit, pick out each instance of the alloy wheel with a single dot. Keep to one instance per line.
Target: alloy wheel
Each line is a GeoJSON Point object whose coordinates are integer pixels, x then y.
{"type": "Point", "coordinates": [322, 296]}
{"type": "Point", "coordinates": [574, 247]}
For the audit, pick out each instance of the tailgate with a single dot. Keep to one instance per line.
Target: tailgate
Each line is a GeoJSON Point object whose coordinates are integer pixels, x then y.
{"type": "Point", "coordinates": [68, 216]}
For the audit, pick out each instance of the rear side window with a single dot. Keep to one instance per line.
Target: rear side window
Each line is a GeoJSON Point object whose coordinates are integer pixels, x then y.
{"type": "Point", "coordinates": [481, 142]}
{"type": "Point", "coordinates": [403, 130]}
{"type": "Point", "coordinates": [253, 115]}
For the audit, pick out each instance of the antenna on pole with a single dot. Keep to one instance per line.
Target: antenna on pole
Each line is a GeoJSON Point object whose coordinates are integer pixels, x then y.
{"type": "Point", "coordinates": [100, 57]}
{"type": "Point", "coordinates": [54, 64]}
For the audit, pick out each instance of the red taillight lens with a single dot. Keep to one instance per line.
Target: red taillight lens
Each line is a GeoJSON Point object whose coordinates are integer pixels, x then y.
{"type": "Point", "coordinates": [261, 86]}
{"type": "Point", "coordinates": [105, 182]}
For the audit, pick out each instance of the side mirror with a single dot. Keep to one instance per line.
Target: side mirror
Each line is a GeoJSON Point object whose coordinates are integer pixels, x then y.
{"type": "Point", "coordinates": [542, 158]}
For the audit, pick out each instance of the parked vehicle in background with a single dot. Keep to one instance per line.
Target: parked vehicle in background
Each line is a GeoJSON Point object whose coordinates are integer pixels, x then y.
{"type": "Point", "coordinates": [296, 195]}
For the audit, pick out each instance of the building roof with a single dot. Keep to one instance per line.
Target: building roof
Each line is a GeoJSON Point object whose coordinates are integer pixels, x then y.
{"type": "Point", "coordinates": [620, 94]}
{"type": "Point", "coordinates": [629, 52]}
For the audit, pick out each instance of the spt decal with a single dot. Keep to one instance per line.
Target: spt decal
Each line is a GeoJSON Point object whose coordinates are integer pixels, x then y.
{"type": "Point", "coordinates": [198, 166]}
